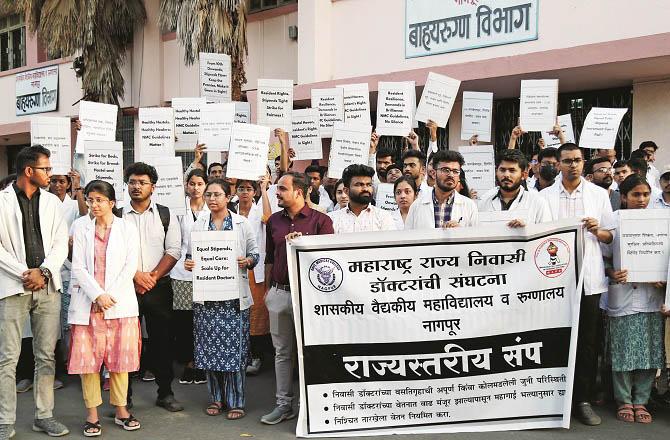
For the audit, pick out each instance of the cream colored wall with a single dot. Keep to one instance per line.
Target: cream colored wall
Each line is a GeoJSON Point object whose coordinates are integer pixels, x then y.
{"type": "Point", "coordinates": [366, 37]}
{"type": "Point", "coordinates": [651, 117]}
{"type": "Point", "coordinates": [3, 162]}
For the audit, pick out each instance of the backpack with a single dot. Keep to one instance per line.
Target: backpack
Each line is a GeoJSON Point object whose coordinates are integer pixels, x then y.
{"type": "Point", "coordinates": [164, 213]}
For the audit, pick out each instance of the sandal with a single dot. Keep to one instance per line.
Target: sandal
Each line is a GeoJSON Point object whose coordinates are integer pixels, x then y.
{"type": "Point", "coordinates": [214, 409]}
{"type": "Point", "coordinates": [129, 423]}
{"type": "Point", "coordinates": [235, 414]}
{"type": "Point", "coordinates": [625, 413]}
{"type": "Point", "coordinates": [641, 414]}
{"type": "Point", "coordinates": [92, 429]}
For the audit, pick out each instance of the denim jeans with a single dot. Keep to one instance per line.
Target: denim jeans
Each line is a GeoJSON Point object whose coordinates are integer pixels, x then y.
{"type": "Point", "coordinates": [44, 312]}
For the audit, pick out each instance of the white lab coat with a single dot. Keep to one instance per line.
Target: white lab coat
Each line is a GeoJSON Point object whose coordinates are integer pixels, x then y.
{"type": "Point", "coordinates": [422, 215]}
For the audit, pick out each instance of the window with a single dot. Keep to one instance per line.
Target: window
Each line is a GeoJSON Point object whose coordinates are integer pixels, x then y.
{"type": "Point", "coordinates": [125, 132]}
{"type": "Point", "coordinates": [262, 5]}
{"type": "Point", "coordinates": [12, 42]}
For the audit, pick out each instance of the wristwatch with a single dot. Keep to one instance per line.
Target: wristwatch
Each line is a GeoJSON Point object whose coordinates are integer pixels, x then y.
{"type": "Point", "coordinates": [46, 273]}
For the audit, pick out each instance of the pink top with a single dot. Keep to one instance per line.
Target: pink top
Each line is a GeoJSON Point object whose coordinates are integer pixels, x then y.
{"type": "Point", "coordinates": [100, 256]}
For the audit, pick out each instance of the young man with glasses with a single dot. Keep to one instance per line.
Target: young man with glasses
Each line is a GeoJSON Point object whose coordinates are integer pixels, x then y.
{"type": "Point", "coordinates": [600, 172]}
{"type": "Point", "coordinates": [574, 197]}
{"type": "Point", "coordinates": [442, 206]}
{"type": "Point", "coordinates": [33, 247]}
{"type": "Point", "coordinates": [160, 249]}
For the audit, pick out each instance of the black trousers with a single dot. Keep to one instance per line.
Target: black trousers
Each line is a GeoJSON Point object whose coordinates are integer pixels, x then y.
{"type": "Point", "coordinates": [183, 335]}
{"type": "Point", "coordinates": [588, 348]}
{"type": "Point", "coordinates": [156, 306]}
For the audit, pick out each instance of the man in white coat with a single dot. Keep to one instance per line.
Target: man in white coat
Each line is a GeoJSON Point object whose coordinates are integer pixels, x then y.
{"type": "Point", "coordinates": [574, 196]}
{"type": "Point", "coordinates": [33, 247]}
{"type": "Point", "coordinates": [443, 206]}
{"type": "Point", "coordinates": [524, 207]}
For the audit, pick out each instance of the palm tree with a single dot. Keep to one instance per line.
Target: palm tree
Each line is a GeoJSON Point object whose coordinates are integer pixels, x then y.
{"type": "Point", "coordinates": [217, 26]}
{"type": "Point", "coordinates": [97, 30]}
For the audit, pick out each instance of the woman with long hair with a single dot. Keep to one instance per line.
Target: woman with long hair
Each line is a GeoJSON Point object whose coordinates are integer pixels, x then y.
{"type": "Point", "coordinates": [103, 311]}
{"type": "Point", "coordinates": [221, 328]}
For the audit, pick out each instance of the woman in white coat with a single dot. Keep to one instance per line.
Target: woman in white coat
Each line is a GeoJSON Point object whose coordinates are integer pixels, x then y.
{"type": "Point", "coordinates": [221, 328]}
{"type": "Point", "coordinates": [103, 309]}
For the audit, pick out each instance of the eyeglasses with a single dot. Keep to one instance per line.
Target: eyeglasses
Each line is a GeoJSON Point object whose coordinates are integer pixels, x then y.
{"type": "Point", "coordinates": [569, 162]}
{"type": "Point", "coordinates": [449, 171]}
{"type": "Point", "coordinates": [209, 195]}
{"type": "Point", "coordinates": [139, 183]}
{"type": "Point", "coordinates": [604, 170]}
{"type": "Point", "coordinates": [96, 201]}
{"type": "Point", "coordinates": [242, 189]}
{"type": "Point", "coordinates": [47, 170]}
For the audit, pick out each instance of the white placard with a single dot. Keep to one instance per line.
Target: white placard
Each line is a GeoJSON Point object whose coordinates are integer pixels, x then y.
{"type": "Point", "coordinates": [215, 276]}
{"type": "Point", "coordinates": [242, 112]}
{"type": "Point", "coordinates": [437, 99]}
{"type": "Point", "coordinates": [215, 76]}
{"type": "Point", "coordinates": [356, 103]}
{"type": "Point", "coordinates": [565, 121]}
{"type": "Point", "coordinates": [248, 154]}
{"type": "Point", "coordinates": [601, 127]}
{"type": "Point", "coordinates": [644, 244]}
{"type": "Point", "coordinates": [54, 134]}
{"type": "Point", "coordinates": [98, 123]}
{"type": "Point", "coordinates": [274, 103]}
{"type": "Point", "coordinates": [170, 186]}
{"type": "Point", "coordinates": [305, 138]}
{"type": "Point", "coordinates": [476, 115]}
{"type": "Point", "coordinates": [501, 218]}
{"type": "Point", "coordinates": [187, 122]}
{"type": "Point", "coordinates": [350, 145]}
{"type": "Point", "coordinates": [539, 104]}
{"type": "Point", "coordinates": [36, 90]}
{"type": "Point", "coordinates": [479, 167]}
{"type": "Point", "coordinates": [156, 132]}
{"type": "Point", "coordinates": [216, 123]}
{"type": "Point", "coordinates": [104, 161]}
{"type": "Point", "coordinates": [330, 104]}
{"type": "Point", "coordinates": [385, 198]}
{"type": "Point", "coordinates": [395, 108]}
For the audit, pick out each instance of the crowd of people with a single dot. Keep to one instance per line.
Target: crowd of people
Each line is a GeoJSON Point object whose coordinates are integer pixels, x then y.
{"type": "Point", "coordinates": [113, 281]}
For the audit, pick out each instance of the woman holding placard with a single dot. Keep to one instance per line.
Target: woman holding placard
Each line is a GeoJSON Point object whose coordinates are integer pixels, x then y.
{"type": "Point", "coordinates": [182, 280]}
{"type": "Point", "coordinates": [221, 328]}
{"type": "Point", "coordinates": [635, 323]}
{"type": "Point", "coordinates": [404, 190]}
{"type": "Point", "coordinates": [103, 309]}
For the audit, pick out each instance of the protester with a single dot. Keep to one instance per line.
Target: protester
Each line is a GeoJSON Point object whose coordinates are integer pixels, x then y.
{"type": "Point", "coordinates": [104, 311]}
{"type": "Point", "coordinates": [404, 190]}
{"type": "Point", "coordinates": [33, 248]}
{"type": "Point", "coordinates": [649, 148]}
{"type": "Point", "coordinates": [414, 166]}
{"type": "Point", "coordinates": [599, 171]}
{"type": "Point", "coordinates": [394, 172]}
{"type": "Point", "coordinates": [548, 169]}
{"type": "Point", "coordinates": [621, 171]}
{"type": "Point", "coordinates": [160, 249]}
{"type": "Point", "coordinates": [608, 154]}
{"type": "Point", "coordinates": [573, 196]}
{"type": "Point", "coordinates": [663, 200]}
{"type": "Point", "coordinates": [257, 215]}
{"type": "Point", "coordinates": [635, 324]}
{"type": "Point", "coordinates": [182, 280]}
{"type": "Point", "coordinates": [443, 206]}
{"type": "Point", "coordinates": [383, 158]}
{"type": "Point", "coordinates": [532, 170]}
{"type": "Point", "coordinates": [216, 170]}
{"type": "Point", "coordinates": [341, 197]}
{"type": "Point", "coordinates": [359, 215]}
{"type": "Point", "coordinates": [295, 219]}
{"type": "Point", "coordinates": [222, 327]}
{"type": "Point", "coordinates": [320, 195]}
{"type": "Point", "coordinates": [510, 194]}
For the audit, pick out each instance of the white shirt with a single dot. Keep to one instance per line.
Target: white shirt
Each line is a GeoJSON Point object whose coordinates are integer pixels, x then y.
{"type": "Point", "coordinates": [154, 243]}
{"type": "Point", "coordinates": [186, 223]}
{"type": "Point", "coordinates": [397, 218]}
{"type": "Point", "coordinates": [256, 221]}
{"type": "Point", "coordinates": [658, 202]}
{"type": "Point", "coordinates": [653, 176]}
{"type": "Point", "coordinates": [571, 205]}
{"type": "Point", "coordinates": [70, 211]}
{"type": "Point", "coordinates": [324, 199]}
{"type": "Point", "coordinates": [536, 209]}
{"type": "Point", "coordinates": [370, 219]}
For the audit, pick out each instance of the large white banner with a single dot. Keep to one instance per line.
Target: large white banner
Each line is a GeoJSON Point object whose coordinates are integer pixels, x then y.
{"type": "Point", "coordinates": [37, 91]}
{"type": "Point", "coordinates": [451, 330]}
{"type": "Point", "coordinates": [438, 26]}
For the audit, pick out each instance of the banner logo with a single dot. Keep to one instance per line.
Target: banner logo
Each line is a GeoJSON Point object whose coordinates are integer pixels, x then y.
{"type": "Point", "coordinates": [325, 274]}
{"type": "Point", "coordinates": [552, 257]}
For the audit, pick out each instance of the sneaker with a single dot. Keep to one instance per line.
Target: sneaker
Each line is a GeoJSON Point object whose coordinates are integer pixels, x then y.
{"type": "Point", "coordinates": [58, 384]}
{"type": "Point", "coordinates": [105, 384]}
{"type": "Point", "coordinates": [169, 403]}
{"type": "Point", "coordinates": [148, 376]}
{"type": "Point", "coordinates": [254, 367]}
{"type": "Point", "coordinates": [278, 415]}
{"type": "Point", "coordinates": [24, 385]}
{"type": "Point", "coordinates": [199, 377]}
{"type": "Point", "coordinates": [187, 376]}
{"type": "Point", "coordinates": [7, 432]}
{"type": "Point", "coordinates": [51, 426]}
{"type": "Point", "coordinates": [585, 414]}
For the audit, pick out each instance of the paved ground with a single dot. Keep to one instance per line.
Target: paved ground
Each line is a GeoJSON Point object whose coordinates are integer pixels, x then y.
{"type": "Point", "coordinates": [194, 424]}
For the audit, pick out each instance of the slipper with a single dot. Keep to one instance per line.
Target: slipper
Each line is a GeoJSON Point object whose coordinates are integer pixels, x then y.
{"type": "Point", "coordinates": [129, 423]}
{"type": "Point", "coordinates": [235, 414]}
{"type": "Point", "coordinates": [625, 413]}
{"type": "Point", "coordinates": [642, 415]}
{"type": "Point", "coordinates": [214, 409]}
{"type": "Point", "coordinates": [92, 429]}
